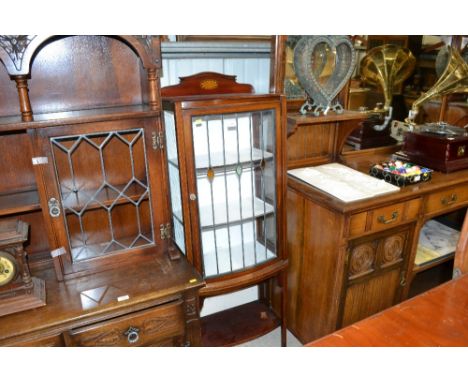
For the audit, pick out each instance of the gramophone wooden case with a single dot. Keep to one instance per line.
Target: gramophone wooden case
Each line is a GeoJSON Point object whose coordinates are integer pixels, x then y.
{"type": "Point", "coordinates": [445, 153]}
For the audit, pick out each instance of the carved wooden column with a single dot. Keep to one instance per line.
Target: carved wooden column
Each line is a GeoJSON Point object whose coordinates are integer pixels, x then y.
{"type": "Point", "coordinates": [23, 94]}
{"type": "Point", "coordinates": [153, 81]}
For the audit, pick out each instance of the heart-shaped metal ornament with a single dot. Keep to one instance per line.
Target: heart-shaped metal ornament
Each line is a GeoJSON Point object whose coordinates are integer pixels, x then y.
{"type": "Point", "coordinates": [323, 66]}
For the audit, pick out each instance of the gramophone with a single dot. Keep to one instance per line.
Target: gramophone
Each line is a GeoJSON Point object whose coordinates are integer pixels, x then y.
{"type": "Point", "coordinates": [385, 66]}
{"type": "Point", "coordinates": [438, 145]}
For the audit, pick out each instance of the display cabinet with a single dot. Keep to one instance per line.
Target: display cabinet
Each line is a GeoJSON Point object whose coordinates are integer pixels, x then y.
{"type": "Point", "coordinates": [226, 163]}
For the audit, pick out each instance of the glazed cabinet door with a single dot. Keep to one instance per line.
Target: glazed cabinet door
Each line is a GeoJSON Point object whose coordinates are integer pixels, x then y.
{"type": "Point", "coordinates": [374, 275]}
{"type": "Point", "coordinates": [98, 190]}
{"type": "Point", "coordinates": [231, 160]}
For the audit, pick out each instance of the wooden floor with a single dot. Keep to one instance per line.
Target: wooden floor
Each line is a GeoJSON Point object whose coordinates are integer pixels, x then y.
{"type": "Point", "coordinates": [438, 317]}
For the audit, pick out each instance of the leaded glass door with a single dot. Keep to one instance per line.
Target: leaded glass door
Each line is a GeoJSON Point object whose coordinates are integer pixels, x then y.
{"type": "Point", "coordinates": [235, 189]}
{"type": "Point", "coordinates": [101, 201]}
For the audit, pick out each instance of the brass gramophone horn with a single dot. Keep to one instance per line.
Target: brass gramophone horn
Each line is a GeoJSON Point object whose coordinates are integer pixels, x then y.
{"type": "Point", "coordinates": [454, 78]}
{"type": "Point", "coordinates": [387, 66]}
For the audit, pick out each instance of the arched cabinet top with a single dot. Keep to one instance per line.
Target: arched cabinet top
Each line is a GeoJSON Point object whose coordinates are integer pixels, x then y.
{"type": "Point", "coordinates": [17, 51]}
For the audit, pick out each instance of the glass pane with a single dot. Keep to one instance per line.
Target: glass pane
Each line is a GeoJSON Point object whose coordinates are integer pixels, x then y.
{"type": "Point", "coordinates": [235, 165]}
{"type": "Point", "coordinates": [174, 180]}
{"type": "Point", "coordinates": [104, 190]}
{"type": "Point", "coordinates": [179, 234]}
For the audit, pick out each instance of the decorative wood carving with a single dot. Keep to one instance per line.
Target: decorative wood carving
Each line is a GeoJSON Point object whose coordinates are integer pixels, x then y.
{"type": "Point", "coordinates": [15, 47]}
{"type": "Point", "coordinates": [148, 43]}
{"type": "Point", "coordinates": [191, 308]}
{"type": "Point", "coordinates": [17, 51]}
{"type": "Point", "coordinates": [392, 250]}
{"type": "Point", "coordinates": [362, 260]}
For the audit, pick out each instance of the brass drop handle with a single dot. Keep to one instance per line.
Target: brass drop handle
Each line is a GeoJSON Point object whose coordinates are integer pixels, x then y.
{"type": "Point", "coordinates": [132, 335]}
{"type": "Point", "coordinates": [448, 201]}
{"type": "Point", "coordinates": [381, 218]}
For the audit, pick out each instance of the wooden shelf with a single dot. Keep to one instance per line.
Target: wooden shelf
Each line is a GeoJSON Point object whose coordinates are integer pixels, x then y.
{"type": "Point", "coordinates": [91, 251]}
{"type": "Point", "coordinates": [18, 202]}
{"type": "Point", "coordinates": [14, 123]}
{"type": "Point", "coordinates": [238, 325]}
{"type": "Point", "coordinates": [77, 200]}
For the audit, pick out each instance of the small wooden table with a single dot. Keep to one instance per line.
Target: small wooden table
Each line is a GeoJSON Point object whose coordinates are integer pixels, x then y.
{"type": "Point", "coordinates": [436, 318]}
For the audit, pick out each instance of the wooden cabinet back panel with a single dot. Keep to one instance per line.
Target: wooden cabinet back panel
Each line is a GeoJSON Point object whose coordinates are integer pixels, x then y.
{"type": "Point", "coordinates": [154, 327]}
{"type": "Point", "coordinates": [80, 77]}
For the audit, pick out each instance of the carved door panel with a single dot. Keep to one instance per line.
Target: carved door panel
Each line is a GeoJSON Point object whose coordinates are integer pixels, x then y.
{"type": "Point", "coordinates": [375, 275]}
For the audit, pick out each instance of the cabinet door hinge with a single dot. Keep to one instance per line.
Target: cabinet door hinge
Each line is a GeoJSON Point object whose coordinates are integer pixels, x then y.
{"type": "Point", "coordinates": [58, 252]}
{"type": "Point", "coordinates": [158, 140]}
{"type": "Point", "coordinates": [40, 160]}
{"type": "Point", "coordinates": [165, 231]}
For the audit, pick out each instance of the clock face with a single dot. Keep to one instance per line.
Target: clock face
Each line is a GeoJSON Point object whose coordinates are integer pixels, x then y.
{"type": "Point", "coordinates": [7, 268]}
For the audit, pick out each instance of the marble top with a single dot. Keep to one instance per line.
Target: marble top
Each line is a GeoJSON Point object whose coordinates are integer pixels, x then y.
{"type": "Point", "coordinates": [343, 182]}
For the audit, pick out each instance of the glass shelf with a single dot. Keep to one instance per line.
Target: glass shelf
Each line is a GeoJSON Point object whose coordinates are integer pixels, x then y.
{"type": "Point", "coordinates": [231, 159]}
{"type": "Point", "coordinates": [229, 212]}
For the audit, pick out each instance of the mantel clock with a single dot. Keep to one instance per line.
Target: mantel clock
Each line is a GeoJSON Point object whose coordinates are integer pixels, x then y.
{"type": "Point", "coordinates": [18, 290]}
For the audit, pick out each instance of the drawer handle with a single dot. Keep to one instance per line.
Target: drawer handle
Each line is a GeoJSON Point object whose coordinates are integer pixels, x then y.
{"type": "Point", "coordinates": [448, 201]}
{"type": "Point", "coordinates": [132, 335]}
{"type": "Point", "coordinates": [381, 218]}
{"type": "Point", "coordinates": [54, 207]}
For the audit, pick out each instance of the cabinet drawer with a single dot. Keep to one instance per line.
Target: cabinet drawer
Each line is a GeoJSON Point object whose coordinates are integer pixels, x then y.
{"type": "Point", "coordinates": [146, 328]}
{"type": "Point", "coordinates": [446, 199]}
{"type": "Point", "coordinates": [382, 218]}
{"type": "Point", "coordinates": [50, 341]}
